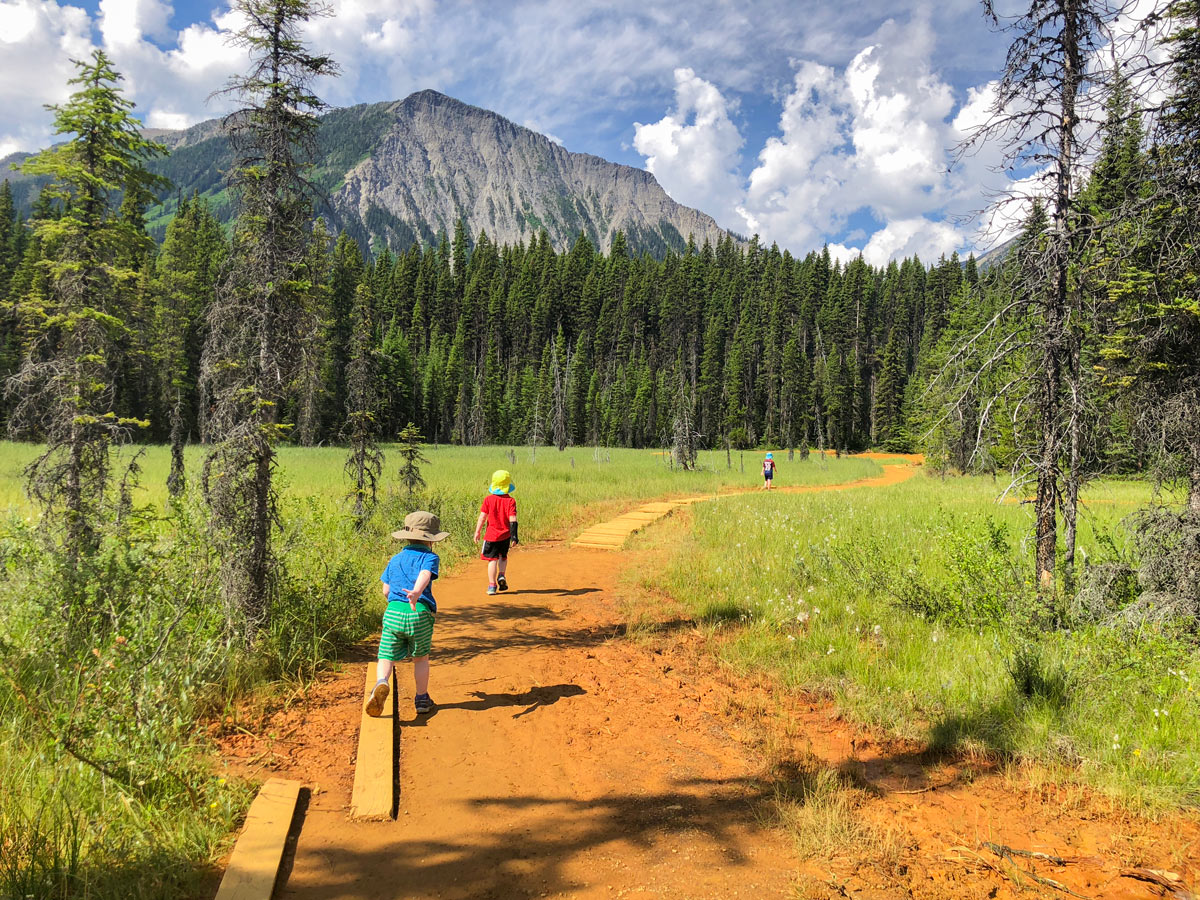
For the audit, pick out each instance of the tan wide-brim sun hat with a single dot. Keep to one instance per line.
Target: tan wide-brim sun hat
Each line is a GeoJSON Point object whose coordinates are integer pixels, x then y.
{"type": "Point", "coordinates": [421, 526]}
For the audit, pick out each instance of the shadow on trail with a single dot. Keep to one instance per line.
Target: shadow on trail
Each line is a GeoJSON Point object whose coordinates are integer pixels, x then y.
{"type": "Point", "coordinates": [525, 848]}
{"type": "Point", "coordinates": [556, 592]}
{"type": "Point", "coordinates": [493, 628]}
{"type": "Point", "coordinates": [496, 612]}
{"type": "Point", "coordinates": [532, 699]}
{"type": "Point", "coordinates": [480, 639]}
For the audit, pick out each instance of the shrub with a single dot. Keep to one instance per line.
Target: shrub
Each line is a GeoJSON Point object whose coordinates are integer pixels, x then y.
{"type": "Point", "coordinates": [1035, 678]}
{"type": "Point", "coordinates": [1168, 547]}
{"type": "Point", "coordinates": [977, 582]}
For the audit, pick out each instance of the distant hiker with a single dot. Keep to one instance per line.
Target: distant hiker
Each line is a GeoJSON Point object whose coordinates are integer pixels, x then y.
{"type": "Point", "coordinates": [499, 513]}
{"type": "Point", "coordinates": [408, 619]}
{"type": "Point", "coordinates": [768, 471]}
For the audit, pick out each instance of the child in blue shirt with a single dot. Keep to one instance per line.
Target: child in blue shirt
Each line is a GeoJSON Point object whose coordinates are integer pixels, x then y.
{"type": "Point", "coordinates": [408, 619]}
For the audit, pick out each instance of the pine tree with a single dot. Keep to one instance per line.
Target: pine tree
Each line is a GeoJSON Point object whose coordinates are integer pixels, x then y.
{"type": "Point", "coordinates": [9, 255]}
{"type": "Point", "coordinates": [409, 447]}
{"type": "Point", "coordinates": [186, 269]}
{"type": "Point", "coordinates": [364, 465]}
{"type": "Point", "coordinates": [260, 307]}
{"type": "Point", "coordinates": [1151, 353]}
{"type": "Point", "coordinates": [317, 369]}
{"type": "Point", "coordinates": [64, 390]}
{"type": "Point", "coordinates": [559, 364]}
{"type": "Point", "coordinates": [889, 396]}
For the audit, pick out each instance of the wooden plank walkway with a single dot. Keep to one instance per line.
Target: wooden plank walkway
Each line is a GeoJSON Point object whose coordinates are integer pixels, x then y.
{"type": "Point", "coordinates": [611, 535]}
{"type": "Point", "coordinates": [254, 866]}
{"type": "Point", "coordinates": [374, 793]}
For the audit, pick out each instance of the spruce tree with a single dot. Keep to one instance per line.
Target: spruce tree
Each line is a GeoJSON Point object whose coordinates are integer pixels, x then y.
{"type": "Point", "coordinates": [409, 447]}
{"type": "Point", "coordinates": [1151, 353]}
{"type": "Point", "coordinates": [260, 308]}
{"type": "Point", "coordinates": [364, 465]}
{"type": "Point", "coordinates": [65, 387]}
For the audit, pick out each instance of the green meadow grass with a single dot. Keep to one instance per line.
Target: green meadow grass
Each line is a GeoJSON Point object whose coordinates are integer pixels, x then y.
{"type": "Point", "coordinates": [558, 493]}
{"type": "Point", "coordinates": [67, 830]}
{"type": "Point", "coordinates": [809, 587]}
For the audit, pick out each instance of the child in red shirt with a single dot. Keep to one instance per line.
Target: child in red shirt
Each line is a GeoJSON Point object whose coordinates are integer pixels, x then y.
{"type": "Point", "coordinates": [499, 513]}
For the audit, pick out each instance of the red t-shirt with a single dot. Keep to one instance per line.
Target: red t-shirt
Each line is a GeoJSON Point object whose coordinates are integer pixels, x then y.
{"type": "Point", "coordinates": [498, 508]}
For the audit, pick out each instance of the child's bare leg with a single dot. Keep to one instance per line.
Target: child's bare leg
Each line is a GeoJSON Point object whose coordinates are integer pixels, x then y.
{"type": "Point", "coordinates": [421, 674]}
{"type": "Point", "coordinates": [493, 569]}
{"type": "Point", "coordinates": [383, 670]}
{"type": "Point", "coordinates": [502, 566]}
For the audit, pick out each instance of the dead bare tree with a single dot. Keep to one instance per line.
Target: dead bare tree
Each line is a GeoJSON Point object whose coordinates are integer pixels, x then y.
{"type": "Point", "coordinates": [558, 396]}
{"type": "Point", "coordinates": [1049, 96]}
{"type": "Point", "coordinates": [684, 437]}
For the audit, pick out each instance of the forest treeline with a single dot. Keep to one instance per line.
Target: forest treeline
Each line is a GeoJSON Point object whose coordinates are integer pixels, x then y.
{"type": "Point", "coordinates": [478, 343]}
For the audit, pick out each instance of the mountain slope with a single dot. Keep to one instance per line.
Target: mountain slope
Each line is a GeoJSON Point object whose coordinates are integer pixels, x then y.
{"type": "Point", "coordinates": [405, 171]}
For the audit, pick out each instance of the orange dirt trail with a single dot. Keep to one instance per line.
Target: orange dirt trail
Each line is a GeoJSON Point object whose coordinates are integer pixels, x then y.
{"type": "Point", "coordinates": [566, 760]}
{"type": "Point", "coordinates": [611, 535]}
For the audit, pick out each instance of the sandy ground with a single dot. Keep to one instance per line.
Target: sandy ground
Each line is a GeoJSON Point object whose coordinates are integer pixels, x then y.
{"type": "Point", "coordinates": [567, 759]}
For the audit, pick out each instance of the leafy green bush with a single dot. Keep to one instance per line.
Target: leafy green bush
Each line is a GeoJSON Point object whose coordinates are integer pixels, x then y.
{"type": "Point", "coordinates": [976, 582]}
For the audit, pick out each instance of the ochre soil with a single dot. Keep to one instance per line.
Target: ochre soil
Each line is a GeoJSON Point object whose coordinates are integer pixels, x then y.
{"type": "Point", "coordinates": [570, 759]}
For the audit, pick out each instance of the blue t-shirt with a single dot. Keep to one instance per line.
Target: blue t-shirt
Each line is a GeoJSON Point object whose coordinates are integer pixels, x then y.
{"type": "Point", "coordinates": [401, 574]}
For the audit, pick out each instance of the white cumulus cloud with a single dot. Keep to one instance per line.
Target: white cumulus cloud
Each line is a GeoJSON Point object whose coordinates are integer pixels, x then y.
{"type": "Point", "coordinates": [38, 38]}
{"type": "Point", "coordinates": [871, 141]}
{"type": "Point", "coordinates": [694, 151]}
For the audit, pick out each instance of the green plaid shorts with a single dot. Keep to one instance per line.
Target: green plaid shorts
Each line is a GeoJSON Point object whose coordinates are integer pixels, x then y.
{"type": "Point", "coordinates": [406, 632]}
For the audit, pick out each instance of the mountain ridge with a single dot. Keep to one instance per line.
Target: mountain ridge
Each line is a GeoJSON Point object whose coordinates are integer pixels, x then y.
{"type": "Point", "coordinates": [403, 171]}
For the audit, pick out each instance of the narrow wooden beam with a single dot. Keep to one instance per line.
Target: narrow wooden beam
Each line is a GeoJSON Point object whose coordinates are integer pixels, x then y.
{"type": "Point", "coordinates": [374, 793]}
{"type": "Point", "coordinates": [254, 866]}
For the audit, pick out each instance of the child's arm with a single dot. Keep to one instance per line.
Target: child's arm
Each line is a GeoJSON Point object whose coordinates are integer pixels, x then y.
{"type": "Point", "coordinates": [421, 583]}
{"type": "Point", "coordinates": [387, 589]}
{"type": "Point", "coordinates": [479, 525]}
{"type": "Point", "coordinates": [512, 528]}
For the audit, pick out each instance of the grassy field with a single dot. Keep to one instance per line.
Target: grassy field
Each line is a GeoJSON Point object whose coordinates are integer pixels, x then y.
{"type": "Point", "coordinates": [557, 492]}
{"type": "Point", "coordinates": [109, 783]}
{"type": "Point", "coordinates": [911, 608]}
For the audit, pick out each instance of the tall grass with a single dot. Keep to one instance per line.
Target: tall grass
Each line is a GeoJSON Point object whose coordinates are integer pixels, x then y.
{"type": "Point", "coordinates": [108, 786]}
{"type": "Point", "coordinates": [910, 607]}
{"type": "Point", "coordinates": [557, 491]}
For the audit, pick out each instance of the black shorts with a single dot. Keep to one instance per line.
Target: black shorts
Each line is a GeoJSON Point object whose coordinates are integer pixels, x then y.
{"type": "Point", "coordinates": [768, 475]}
{"type": "Point", "coordinates": [495, 549]}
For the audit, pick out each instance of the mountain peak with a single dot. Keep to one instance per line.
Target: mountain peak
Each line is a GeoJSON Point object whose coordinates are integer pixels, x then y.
{"type": "Point", "coordinates": [441, 160]}
{"type": "Point", "coordinates": [402, 172]}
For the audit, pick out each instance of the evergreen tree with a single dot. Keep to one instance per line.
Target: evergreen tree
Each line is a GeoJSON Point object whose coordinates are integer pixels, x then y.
{"type": "Point", "coordinates": [364, 465]}
{"type": "Point", "coordinates": [64, 390]}
{"type": "Point", "coordinates": [409, 447]}
{"type": "Point", "coordinates": [186, 270]}
{"type": "Point", "coordinates": [260, 309]}
{"type": "Point", "coordinates": [1151, 352]}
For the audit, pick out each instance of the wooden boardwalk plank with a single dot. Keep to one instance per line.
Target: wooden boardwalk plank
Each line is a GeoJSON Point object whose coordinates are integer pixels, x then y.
{"type": "Point", "coordinates": [254, 866]}
{"type": "Point", "coordinates": [374, 793]}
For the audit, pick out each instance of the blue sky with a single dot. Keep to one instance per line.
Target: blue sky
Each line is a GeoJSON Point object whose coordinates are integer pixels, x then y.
{"type": "Point", "coordinates": [807, 122]}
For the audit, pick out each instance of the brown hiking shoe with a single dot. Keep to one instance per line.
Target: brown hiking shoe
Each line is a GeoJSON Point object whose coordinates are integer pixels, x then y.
{"type": "Point", "coordinates": [378, 697]}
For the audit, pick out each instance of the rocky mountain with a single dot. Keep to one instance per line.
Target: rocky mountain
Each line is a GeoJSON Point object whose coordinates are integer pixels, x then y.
{"type": "Point", "coordinates": [405, 171]}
